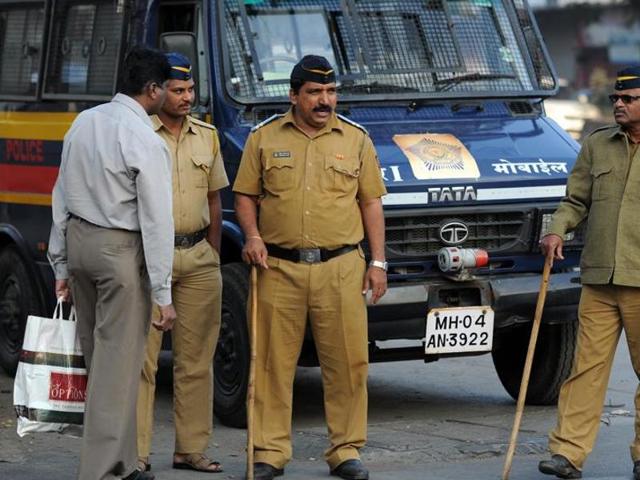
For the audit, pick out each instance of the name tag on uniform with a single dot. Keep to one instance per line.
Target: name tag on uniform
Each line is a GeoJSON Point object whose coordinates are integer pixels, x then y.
{"type": "Point", "coordinates": [282, 154]}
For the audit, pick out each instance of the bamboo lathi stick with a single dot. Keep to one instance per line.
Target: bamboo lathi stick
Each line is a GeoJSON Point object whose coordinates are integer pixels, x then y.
{"type": "Point", "coordinates": [252, 369]}
{"type": "Point", "coordinates": [542, 295]}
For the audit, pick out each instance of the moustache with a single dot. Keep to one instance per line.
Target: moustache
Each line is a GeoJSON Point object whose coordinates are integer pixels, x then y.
{"type": "Point", "coordinates": [323, 108]}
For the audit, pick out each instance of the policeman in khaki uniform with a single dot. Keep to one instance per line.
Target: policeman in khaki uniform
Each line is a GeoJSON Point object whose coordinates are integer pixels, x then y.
{"type": "Point", "coordinates": [318, 183]}
{"type": "Point", "coordinates": [603, 190]}
{"type": "Point", "coordinates": [198, 175]}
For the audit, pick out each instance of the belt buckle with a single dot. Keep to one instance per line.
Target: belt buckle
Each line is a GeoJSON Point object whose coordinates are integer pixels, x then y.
{"type": "Point", "coordinates": [184, 242]}
{"type": "Point", "coordinates": [310, 255]}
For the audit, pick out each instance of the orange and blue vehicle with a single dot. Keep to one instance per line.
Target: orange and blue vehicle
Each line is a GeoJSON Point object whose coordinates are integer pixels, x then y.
{"type": "Point", "coordinates": [452, 94]}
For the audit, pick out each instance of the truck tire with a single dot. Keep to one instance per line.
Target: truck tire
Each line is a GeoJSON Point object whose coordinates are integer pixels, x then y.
{"type": "Point", "coordinates": [231, 363]}
{"type": "Point", "coordinates": [552, 361]}
{"type": "Point", "coordinates": [18, 300]}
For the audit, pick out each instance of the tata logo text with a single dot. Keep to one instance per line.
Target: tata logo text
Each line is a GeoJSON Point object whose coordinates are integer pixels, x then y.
{"type": "Point", "coordinates": [451, 194]}
{"type": "Point", "coordinates": [453, 233]}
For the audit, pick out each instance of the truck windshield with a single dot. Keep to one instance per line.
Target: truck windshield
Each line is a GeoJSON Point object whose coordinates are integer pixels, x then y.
{"type": "Point", "coordinates": [385, 49]}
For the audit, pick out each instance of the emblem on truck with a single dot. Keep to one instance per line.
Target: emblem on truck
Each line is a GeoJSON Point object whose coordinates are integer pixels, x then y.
{"type": "Point", "coordinates": [453, 233]}
{"type": "Point", "coordinates": [437, 155]}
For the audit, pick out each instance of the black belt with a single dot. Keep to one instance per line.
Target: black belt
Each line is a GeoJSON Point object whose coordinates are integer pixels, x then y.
{"type": "Point", "coordinates": [73, 215]}
{"type": "Point", "coordinates": [190, 239]}
{"type": "Point", "coordinates": [307, 255]}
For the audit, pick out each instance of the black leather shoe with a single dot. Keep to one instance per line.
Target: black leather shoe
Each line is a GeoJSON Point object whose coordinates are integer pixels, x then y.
{"type": "Point", "coordinates": [636, 470]}
{"type": "Point", "coordinates": [138, 475]}
{"type": "Point", "coordinates": [351, 470]}
{"type": "Point", "coordinates": [264, 471]}
{"type": "Point", "coordinates": [560, 467]}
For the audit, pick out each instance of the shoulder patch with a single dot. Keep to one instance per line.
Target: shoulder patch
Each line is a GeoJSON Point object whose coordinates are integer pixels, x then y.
{"type": "Point", "coordinates": [600, 129]}
{"type": "Point", "coordinates": [201, 123]}
{"type": "Point", "coordinates": [267, 121]}
{"type": "Point", "coordinates": [351, 122]}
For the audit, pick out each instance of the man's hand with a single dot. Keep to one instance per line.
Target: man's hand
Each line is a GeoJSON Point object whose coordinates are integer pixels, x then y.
{"type": "Point", "coordinates": [62, 290]}
{"type": "Point", "coordinates": [376, 280]}
{"type": "Point", "coordinates": [254, 252]}
{"type": "Point", "coordinates": [167, 317]}
{"type": "Point", "coordinates": [552, 245]}
{"type": "Point", "coordinates": [214, 248]}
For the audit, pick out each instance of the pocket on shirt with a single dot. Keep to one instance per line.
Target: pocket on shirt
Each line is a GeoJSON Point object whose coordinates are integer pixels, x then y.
{"type": "Point", "coordinates": [341, 174]}
{"type": "Point", "coordinates": [201, 170]}
{"type": "Point", "coordinates": [278, 172]}
{"type": "Point", "coordinates": [603, 182]}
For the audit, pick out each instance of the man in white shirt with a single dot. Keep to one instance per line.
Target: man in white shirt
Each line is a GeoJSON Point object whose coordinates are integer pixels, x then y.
{"type": "Point", "coordinates": [111, 247]}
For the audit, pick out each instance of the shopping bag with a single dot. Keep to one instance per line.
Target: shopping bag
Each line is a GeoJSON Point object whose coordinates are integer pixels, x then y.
{"type": "Point", "coordinates": [51, 380]}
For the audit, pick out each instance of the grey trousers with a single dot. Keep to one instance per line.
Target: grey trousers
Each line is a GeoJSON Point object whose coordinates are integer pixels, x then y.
{"type": "Point", "coordinates": [110, 289]}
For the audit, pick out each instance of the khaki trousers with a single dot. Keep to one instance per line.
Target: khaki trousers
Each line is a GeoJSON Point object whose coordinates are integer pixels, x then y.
{"type": "Point", "coordinates": [197, 295]}
{"type": "Point", "coordinates": [329, 294]}
{"type": "Point", "coordinates": [111, 294]}
{"type": "Point", "coordinates": [604, 311]}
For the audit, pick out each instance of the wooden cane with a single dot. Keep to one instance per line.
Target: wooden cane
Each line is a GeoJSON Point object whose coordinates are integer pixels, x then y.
{"type": "Point", "coordinates": [252, 370]}
{"type": "Point", "coordinates": [544, 284]}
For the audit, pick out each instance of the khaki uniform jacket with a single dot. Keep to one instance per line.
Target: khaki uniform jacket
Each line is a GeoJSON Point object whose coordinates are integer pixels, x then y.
{"type": "Point", "coordinates": [310, 187]}
{"type": "Point", "coordinates": [604, 188]}
{"type": "Point", "coordinates": [197, 168]}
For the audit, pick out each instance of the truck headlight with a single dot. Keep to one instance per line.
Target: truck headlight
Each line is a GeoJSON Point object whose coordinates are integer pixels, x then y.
{"type": "Point", "coordinates": [546, 225]}
{"type": "Point", "coordinates": [573, 240]}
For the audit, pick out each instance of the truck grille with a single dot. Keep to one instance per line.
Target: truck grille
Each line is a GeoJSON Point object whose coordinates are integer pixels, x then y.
{"type": "Point", "coordinates": [418, 235]}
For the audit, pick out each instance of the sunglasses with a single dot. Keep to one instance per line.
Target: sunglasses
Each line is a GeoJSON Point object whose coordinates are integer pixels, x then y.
{"type": "Point", "coordinates": [626, 99]}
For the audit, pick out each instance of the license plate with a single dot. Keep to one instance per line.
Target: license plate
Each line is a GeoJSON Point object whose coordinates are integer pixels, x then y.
{"type": "Point", "coordinates": [459, 330]}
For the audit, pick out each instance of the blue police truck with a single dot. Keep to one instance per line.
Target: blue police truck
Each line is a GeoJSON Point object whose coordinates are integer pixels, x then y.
{"type": "Point", "coordinates": [451, 92]}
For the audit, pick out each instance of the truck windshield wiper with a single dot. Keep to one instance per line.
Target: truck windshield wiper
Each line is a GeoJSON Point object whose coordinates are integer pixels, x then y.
{"type": "Point", "coordinates": [375, 87]}
{"type": "Point", "coordinates": [447, 83]}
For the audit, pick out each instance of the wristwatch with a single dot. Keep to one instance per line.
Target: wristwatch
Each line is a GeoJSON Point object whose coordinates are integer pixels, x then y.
{"type": "Point", "coordinates": [379, 264]}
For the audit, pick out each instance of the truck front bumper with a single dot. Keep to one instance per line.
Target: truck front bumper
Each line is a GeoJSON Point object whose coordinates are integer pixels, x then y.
{"type": "Point", "coordinates": [401, 313]}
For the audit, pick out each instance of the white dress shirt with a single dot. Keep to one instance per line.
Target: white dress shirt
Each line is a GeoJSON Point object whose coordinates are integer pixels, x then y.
{"type": "Point", "coordinates": [115, 172]}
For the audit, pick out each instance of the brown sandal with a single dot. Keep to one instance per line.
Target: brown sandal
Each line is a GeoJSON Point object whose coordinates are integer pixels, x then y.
{"type": "Point", "coordinates": [199, 463]}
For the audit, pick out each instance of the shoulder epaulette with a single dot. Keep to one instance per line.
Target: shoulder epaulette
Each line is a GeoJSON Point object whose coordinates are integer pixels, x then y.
{"type": "Point", "coordinates": [267, 121]}
{"type": "Point", "coordinates": [201, 123]}
{"type": "Point", "coordinates": [604, 127]}
{"type": "Point", "coordinates": [351, 122]}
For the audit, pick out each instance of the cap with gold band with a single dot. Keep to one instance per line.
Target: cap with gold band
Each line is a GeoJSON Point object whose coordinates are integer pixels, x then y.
{"type": "Point", "coordinates": [628, 78]}
{"type": "Point", "coordinates": [314, 68]}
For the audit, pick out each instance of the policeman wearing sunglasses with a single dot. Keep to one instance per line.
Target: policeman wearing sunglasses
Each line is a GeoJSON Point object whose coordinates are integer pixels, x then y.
{"type": "Point", "coordinates": [602, 190]}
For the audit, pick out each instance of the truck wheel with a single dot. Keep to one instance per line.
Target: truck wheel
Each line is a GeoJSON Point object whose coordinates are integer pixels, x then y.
{"type": "Point", "coordinates": [231, 364]}
{"type": "Point", "coordinates": [551, 363]}
{"type": "Point", "coordinates": [17, 301]}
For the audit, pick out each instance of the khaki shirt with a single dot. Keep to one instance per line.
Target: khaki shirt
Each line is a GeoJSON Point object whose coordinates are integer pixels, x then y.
{"type": "Point", "coordinates": [197, 169]}
{"type": "Point", "coordinates": [310, 187]}
{"type": "Point", "coordinates": [604, 188]}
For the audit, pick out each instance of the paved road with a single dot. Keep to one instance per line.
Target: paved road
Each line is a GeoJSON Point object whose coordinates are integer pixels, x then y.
{"type": "Point", "coordinates": [446, 420]}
